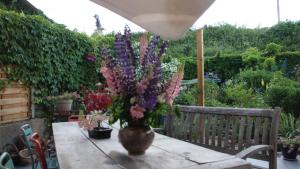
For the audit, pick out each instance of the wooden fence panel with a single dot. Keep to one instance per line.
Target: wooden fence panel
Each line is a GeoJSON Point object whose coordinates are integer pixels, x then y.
{"type": "Point", "coordinates": [14, 102]}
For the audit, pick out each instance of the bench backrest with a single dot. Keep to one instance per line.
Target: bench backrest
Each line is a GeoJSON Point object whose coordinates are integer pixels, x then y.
{"type": "Point", "coordinates": [228, 130]}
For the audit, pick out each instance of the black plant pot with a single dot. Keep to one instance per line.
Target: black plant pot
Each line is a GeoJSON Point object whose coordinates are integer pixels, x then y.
{"type": "Point", "coordinates": [100, 133]}
{"type": "Point", "coordinates": [290, 151]}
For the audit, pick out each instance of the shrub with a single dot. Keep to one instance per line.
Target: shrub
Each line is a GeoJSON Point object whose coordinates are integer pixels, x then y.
{"type": "Point", "coordinates": [238, 95]}
{"type": "Point", "coordinates": [190, 67]}
{"type": "Point", "coordinates": [272, 49]}
{"type": "Point", "coordinates": [212, 94]}
{"type": "Point", "coordinates": [286, 34]}
{"type": "Point", "coordinates": [285, 93]}
{"type": "Point", "coordinates": [288, 61]}
{"type": "Point", "coordinates": [212, 90]}
{"type": "Point", "coordinates": [45, 55]}
{"type": "Point", "coordinates": [255, 79]}
{"type": "Point", "coordinates": [289, 125]}
{"type": "Point", "coordinates": [270, 64]}
{"type": "Point", "coordinates": [251, 57]}
{"type": "Point", "coordinates": [101, 41]}
{"type": "Point", "coordinates": [188, 96]}
{"type": "Point", "coordinates": [225, 66]}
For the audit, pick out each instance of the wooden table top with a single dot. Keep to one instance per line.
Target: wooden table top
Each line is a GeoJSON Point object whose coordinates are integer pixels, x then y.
{"type": "Point", "coordinates": [75, 150]}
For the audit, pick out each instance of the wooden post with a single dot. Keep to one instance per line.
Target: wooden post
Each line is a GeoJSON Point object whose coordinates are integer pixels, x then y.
{"type": "Point", "coordinates": [200, 66]}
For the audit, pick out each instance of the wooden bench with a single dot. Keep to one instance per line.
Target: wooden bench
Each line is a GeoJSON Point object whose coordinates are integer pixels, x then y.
{"type": "Point", "coordinates": [238, 131]}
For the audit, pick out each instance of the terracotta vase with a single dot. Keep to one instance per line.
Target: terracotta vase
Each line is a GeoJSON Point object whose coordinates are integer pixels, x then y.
{"type": "Point", "coordinates": [136, 140]}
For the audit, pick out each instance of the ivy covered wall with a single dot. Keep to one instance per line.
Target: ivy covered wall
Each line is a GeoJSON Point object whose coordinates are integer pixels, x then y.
{"type": "Point", "coordinates": [45, 55]}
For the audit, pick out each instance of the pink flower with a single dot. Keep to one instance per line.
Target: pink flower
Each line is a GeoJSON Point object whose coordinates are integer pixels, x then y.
{"type": "Point", "coordinates": [142, 85]}
{"type": "Point", "coordinates": [137, 112]}
{"type": "Point", "coordinates": [109, 75]}
{"type": "Point", "coordinates": [143, 46]}
{"type": "Point", "coordinates": [174, 87]}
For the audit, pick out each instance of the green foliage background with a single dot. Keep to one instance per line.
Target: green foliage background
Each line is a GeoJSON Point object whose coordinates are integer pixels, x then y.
{"type": "Point", "coordinates": [247, 62]}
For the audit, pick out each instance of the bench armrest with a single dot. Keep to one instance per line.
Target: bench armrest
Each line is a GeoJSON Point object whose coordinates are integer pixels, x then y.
{"type": "Point", "coordinates": [252, 150]}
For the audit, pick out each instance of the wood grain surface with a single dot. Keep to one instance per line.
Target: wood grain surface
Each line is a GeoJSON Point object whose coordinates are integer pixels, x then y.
{"type": "Point", "coordinates": [76, 150]}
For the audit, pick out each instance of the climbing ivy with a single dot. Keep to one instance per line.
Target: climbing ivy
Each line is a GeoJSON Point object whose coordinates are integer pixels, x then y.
{"type": "Point", "coordinates": [45, 55]}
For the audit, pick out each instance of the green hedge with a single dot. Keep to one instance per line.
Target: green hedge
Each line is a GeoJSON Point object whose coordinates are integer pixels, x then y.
{"type": "Point", "coordinates": [284, 93]}
{"type": "Point", "coordinates": [190, 67]}
{"type": "Point", "coordinates": [286, 34]}
{"type": "Point", "coordinates": [225, 66]}
{"type": "Point", "coordinates": [45, 55]}
{"type": "Point", "coordinates": [255, 79]}
{"type": "Point", "coordinates": [288, 61]}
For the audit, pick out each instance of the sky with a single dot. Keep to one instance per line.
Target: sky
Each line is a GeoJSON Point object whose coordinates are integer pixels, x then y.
{"type": "Point", "coordinates": [78, 14]}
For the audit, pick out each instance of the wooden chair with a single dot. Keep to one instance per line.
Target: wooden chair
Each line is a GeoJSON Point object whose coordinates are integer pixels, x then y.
{"type": "Point", "coordinates": [238, 131]}
{"type": "Point", "coordinates": [6, 162]}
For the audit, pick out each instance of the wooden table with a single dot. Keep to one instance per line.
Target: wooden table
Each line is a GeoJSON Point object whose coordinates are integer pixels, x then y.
{"type": "Point", "coordinates": [75, 150]}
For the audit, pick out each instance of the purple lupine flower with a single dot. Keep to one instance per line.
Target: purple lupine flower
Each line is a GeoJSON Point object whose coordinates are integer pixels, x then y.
{"type": "Point", "coordinates": [163, 49]}
{"type": "Point", "coordinates": [132, 56]}
{"type": "Point", "coordinates": [155, 86]}
{"type": "Point", "coordinates": [150, 54]}
{"type": "Point", "coordinates": [128, 82]}
{"type": "Point", "coordinates": [89, 57]}
{"type": "Point", "coordinates": [149, 102]}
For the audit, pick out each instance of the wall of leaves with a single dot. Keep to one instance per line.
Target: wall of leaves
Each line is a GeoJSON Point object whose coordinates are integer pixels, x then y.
{"type": "Point", "coordinates": [45, 55]}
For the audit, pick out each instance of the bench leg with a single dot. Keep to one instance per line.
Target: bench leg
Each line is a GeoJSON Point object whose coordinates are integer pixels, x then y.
{"type": "Point", "coordinates": [273, 160]}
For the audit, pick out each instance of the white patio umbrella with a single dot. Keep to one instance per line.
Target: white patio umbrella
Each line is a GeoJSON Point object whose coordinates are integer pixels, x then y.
{"type": "Point", "coordinates": [168, 18]}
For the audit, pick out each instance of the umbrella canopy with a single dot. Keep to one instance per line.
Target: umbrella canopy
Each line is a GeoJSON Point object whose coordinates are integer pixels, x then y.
{"type": "Point", "coordinates": [167, 18]}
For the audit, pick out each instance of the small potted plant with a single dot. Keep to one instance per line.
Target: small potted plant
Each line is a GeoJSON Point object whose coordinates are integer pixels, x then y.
{"type": "Point", "coordinates": [64, 102]}
{"type": "Point", "coordinates": [93, 124]}
{"type": "Point", "coordinates": [290, 136]}
{"type": "Point", "coordinates": [96, 103]}
{"type": "Point", "coordinates": [290, 148]}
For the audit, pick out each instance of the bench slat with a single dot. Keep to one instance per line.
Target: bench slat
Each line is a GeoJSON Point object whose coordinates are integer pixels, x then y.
{"type": "Point", "coordinates": [201, 128]}
{"type": "Point", "coordinates": [235, 121]}
{"type": "Point", "coordinates": [266, 128]}
{"type": "Point", "coordinates": [207, 130]}
{"type": "Point", "coordinates": [257, 130]}
{"type": "Point", "coordinates": [231, 111]}
{"type": "Point", "coordinates": [227, 128]}
{"type": "Point", "coordinates": [220, 130]}
{"type": "Point", "coordinates": [214, 128]}
{"type": "Point", "coordinates": [249, 131]}
{"type": "Point", "coordinates": [241, 133]}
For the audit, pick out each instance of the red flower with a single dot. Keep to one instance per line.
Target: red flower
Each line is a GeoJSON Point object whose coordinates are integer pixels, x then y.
{"type": "Point", "coordinates": [97, 100]}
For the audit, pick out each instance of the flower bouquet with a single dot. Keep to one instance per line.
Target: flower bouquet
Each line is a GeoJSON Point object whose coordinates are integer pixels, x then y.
{"type": "Point", "coordinates": [140, 92]}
